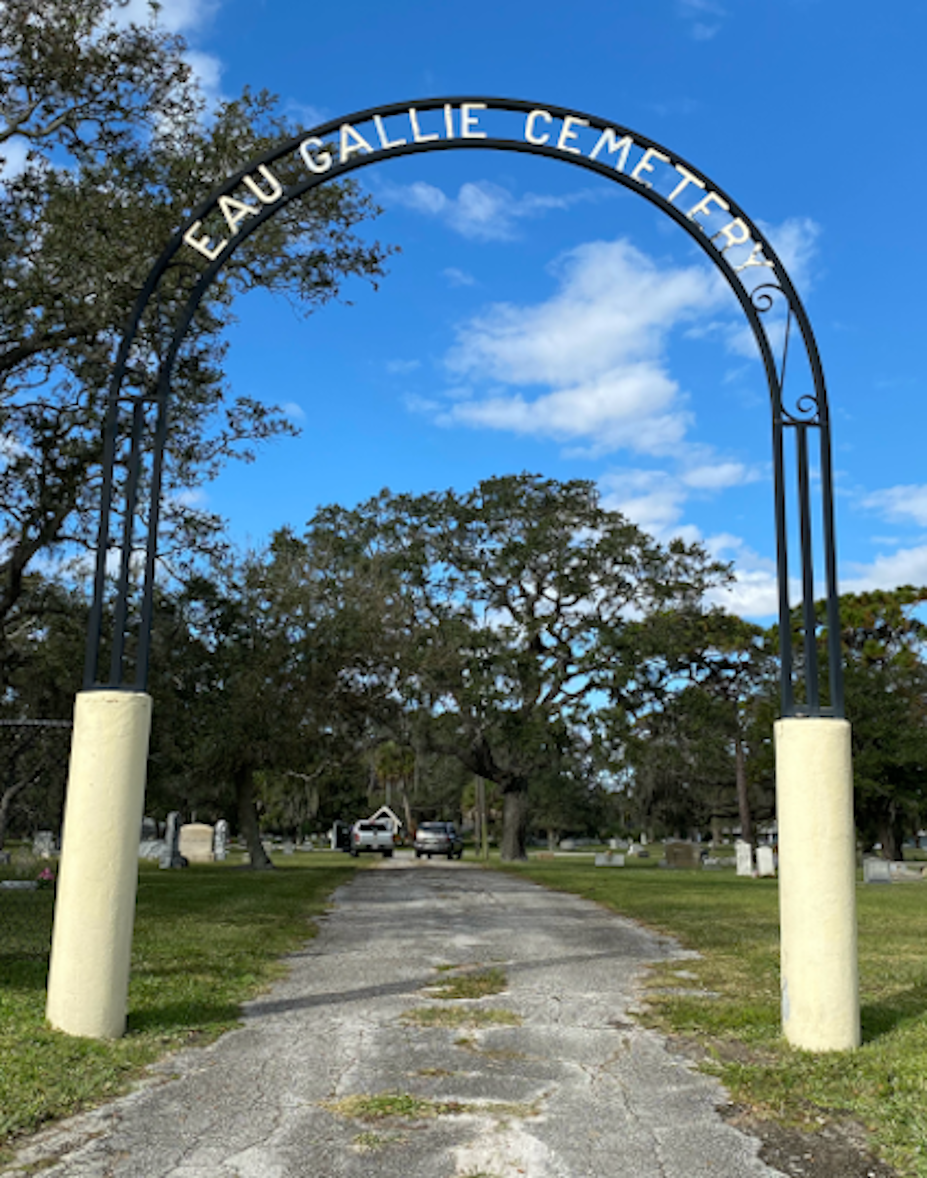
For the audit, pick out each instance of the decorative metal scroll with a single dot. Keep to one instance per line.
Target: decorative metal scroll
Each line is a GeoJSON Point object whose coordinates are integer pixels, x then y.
{"type": "Point", "coordinates": [137, 422]}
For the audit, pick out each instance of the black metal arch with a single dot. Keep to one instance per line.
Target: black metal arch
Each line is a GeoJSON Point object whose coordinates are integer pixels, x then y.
{"type": "Point", "coordinates": [808, 410]}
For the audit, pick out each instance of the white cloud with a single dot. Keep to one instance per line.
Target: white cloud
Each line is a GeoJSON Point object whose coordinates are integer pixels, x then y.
{"type": "Point", "coordinates": [594, 351]}
{"type": "Point", "coordinates": [294, 411]}
{"type": "Point", "coordinates": [906, 566]}
{"type": "Point", "coordinates": [615, 307]}
{"type": "Point", "coordinates": [907, 503]}
{"type": "Point", "coordinates": [457, 277]}
{"type": "Point", "coordinates": [652, 499]}
{"type": "Point", "coordinates": [481, 211]}
{"type": "Point", "coordinates": [402, 367]}
{"type": "Point", "coordinates": [795, 240]}
{"type": "Point", "coordinates": [715, 476]}
{"type": "Point", "coordinates": [699, 12]}
{"type": "Point", "coordinates": [619, 409]}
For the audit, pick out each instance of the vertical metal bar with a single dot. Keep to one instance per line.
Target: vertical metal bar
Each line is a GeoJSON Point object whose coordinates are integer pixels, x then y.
{"type": "Point", "coordinates": [782, 571]}
{"type": "Point", "coordinates": [812, 694]}
{"type": "Point", "coordinates": [834, 652]}
{"type": "Point", "coordinates": [95, 622]}
{"type": "Point", "coordinates": [128, 532]}
{"type": "Point", "coordinates": [151, 548]}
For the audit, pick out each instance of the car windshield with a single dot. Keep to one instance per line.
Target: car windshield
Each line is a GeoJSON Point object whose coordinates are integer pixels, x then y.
{"type": "Point", "coordinates": [434, 827]}
{"type": "Point", "coordinates": [375, 826]}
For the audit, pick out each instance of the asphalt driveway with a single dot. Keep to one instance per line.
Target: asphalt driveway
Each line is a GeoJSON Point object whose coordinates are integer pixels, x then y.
{"type": "Point", "coordinates": [355, 1065]}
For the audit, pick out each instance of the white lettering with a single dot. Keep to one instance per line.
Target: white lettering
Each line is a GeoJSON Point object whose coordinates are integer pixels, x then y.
{"type": "Point", "coordinates": [644, 165]}
{"type": "Point", "coordinates": [468, 120]}
{"type": "Point", "coordinates": [201, 243]}
{"type": "Point", "coordinates": [609, 140]}
{"type": "Point", "coordinates": [384, 138]}
{"type": "Point", "coordinates": [276, 188]}
{"type": "Point", "coordinates": [756, 259]}
{"type": "Point", "coordinates": [359, 142]}
{"type": "Point", "coordinates": [416, 132]}
{"type": "Point", "coordinates": [704, 205]}
{"type": "Point", "coordinates": [530, 135]}
{"type": "Point", "coordinates": [728, 234]}
{"type": "Point", "coordinates": [567, 133]}
{"type": "Point", "coordinates": [449, 120]}
{"type": "Point", "coordinates": [235, 211]}
{"type": "Point", "coordinates": [318, 165]}
{"type": "Point", "coordinates": [687, 179]}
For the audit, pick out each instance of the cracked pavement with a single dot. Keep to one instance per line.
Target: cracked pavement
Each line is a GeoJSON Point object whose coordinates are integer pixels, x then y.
{"type": "Point", "coordinates": [577, 1090]}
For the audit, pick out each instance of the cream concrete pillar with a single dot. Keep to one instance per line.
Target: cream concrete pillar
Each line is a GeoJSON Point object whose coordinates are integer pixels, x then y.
{"type": "Point", "coordinates": [88, 979]}
{"type": "Point", "coordinates": [817, 884]}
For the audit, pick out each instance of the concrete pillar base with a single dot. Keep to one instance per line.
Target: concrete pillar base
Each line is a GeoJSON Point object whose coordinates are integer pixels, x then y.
{"type": "Point", "coordinates": [88, 979]}
{"type": "Point", "coordinates": [817, 884]}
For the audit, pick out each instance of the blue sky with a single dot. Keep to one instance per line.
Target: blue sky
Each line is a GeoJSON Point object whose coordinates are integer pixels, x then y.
{"type": "Point", "coordinates": [539, 318]}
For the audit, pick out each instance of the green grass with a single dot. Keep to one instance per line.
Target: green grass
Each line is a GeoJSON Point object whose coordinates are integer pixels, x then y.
{"type": "Point", "coordinates": [405, 1106]}
{"type": "Point", "coordinates": [206, 939]}
{"type": "Point", "coordinates": [469, 983]}
{"type": "Point", "coordinates": [733, 923]}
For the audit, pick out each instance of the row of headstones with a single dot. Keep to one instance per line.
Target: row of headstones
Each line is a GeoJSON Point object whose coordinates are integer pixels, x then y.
{"type": "Point", "coordinates": [184, 843]}
{"type": "Point", "coordinates": [687, 855]}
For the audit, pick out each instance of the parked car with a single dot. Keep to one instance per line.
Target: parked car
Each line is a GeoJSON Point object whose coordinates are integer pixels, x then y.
{"type": "Point", "coordinates": [438, 838]}
{"type": "Point", "coordinates": [372, 836]}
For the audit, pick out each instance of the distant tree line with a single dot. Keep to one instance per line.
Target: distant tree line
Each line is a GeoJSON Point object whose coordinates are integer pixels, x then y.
{"type": "Point", "coordinates": [519, 633]}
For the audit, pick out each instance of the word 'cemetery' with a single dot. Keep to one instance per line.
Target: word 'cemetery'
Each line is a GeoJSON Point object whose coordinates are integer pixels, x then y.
{"type": "Point", "coordinates": [670, 181]}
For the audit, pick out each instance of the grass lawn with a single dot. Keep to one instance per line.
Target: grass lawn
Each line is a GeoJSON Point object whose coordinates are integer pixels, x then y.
{"type": "Point", "coordinates": [206, 939]}
{"type": "Point", "coordinates": [733, 923]}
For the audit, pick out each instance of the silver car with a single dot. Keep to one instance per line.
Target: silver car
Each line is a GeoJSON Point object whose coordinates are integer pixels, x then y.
{"type": "Point", "coordinates": [438, 838]}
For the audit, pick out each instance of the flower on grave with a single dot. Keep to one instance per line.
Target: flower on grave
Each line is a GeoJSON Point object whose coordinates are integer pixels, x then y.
{"type": "Point", "coordinates": [45, 878]}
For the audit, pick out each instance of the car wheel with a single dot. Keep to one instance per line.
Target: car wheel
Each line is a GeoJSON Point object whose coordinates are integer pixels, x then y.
{"type": "Point", "coordinates": [418, 854]}
{"type": "Point", "coordinates": [450, 854]}
{"type": "Point", "coordinates": [387, 854]}
{"type": "Point", "coordinates": [354, 852]}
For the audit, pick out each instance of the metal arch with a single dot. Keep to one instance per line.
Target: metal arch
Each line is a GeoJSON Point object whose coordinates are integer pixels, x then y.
{"type": "Point", "coordinates": [809, 411]}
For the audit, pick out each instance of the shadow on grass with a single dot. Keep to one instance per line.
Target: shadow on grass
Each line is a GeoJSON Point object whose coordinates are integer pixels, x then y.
{"type": "Point", "coordinates": [882, 1018]}
{"type": "Point", "coordinates": [176, 1017]}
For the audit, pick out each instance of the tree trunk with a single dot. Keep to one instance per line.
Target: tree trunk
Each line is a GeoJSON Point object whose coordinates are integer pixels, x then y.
{"type": "Point", "coordinates": [743, 799]}
{"type": "Point", "coordinates": [515, 825]}
{"type": "Point", "coordinates": [407, 810]}
{"type": "Point", "coordinates": [891, 835]}
{"type": "Point", "coordinates": [6, 803]}
{"type": "Point", "coordinates": [248, 819]}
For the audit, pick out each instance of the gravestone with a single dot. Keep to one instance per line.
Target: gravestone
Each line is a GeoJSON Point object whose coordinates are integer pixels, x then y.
{"type": "Point", "coordinates": [195, 843]}
{"type": "Point", "coordinates": [151, 849]}
{"type": "Point", "coordinates": [744, 853]}
{"type": "Point", "coordinates": [288, 847]}
{"type": "Point", "coordinates": [877, 871]}
{"type": "Point", "coordinates": [171, 856]}
{"type": "Point", "coordinates": [683, 855]}
{"type": "Point", "coordinates": [221, 841]}
{"type": "Point", "coordinates": [5, 857]}
{"type": "Point", "coordinates": [43, 844]}
{"type": "Point", "coordinates": [149, 830]}
{"type": "Point", "coordinates": [609, 859]}
{"type": "Point", "coordinates": [765, 861]}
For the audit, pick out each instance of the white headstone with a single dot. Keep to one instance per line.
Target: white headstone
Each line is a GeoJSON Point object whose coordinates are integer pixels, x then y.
{"type": "Point", "coordinates": [609, 859]}
{"type": "Point", "coordinates": [877, 871]}
{"type": "Point", "coordinates": [43, 844]}
{"type": "Point", "coordinates": [195, 842]}
{"type": "Point", "coordinates": [221, 840]}
{"type": "Point", "coordinates": [765, 861]}
{"type": "Point", "coordinates": [744, 852]}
